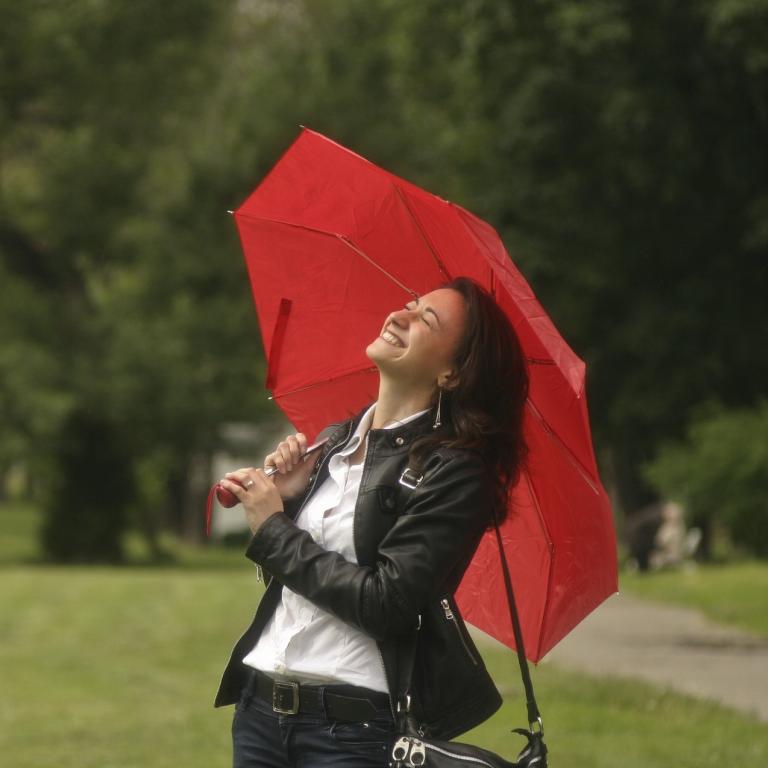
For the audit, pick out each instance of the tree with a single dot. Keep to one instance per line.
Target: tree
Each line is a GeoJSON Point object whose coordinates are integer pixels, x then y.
{"type": "Point", "coordinates": [619, 150]}
{"type": "Point", "coordinates": [719, 472]}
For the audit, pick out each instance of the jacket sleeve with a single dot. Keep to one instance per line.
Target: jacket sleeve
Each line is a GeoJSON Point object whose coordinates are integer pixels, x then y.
{"type": "Point", "coordinates": [439, 529]}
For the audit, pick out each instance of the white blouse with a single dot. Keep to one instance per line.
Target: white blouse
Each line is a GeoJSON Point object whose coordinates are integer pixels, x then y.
{"type": "Point", "coordinates": [304, 642]}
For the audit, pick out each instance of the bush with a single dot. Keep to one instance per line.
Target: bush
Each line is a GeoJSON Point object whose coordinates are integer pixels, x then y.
{"type": "Point", "coordinates": [720, 473]}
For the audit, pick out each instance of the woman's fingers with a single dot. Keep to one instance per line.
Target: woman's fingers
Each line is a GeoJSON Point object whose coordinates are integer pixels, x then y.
{"type": "Point", "coordinates": [245, 477]}
{"type": "Point", "coordinates": [239, 474]}
{"type": "Point", "coordinates": [233, 487]}
{"type": "Point", "coordinates": [296, 447]}
{"type": "Point", "coordinates": [243, 480]}
{"type": "Point", "coordinates": [287, 454]}
{"type": "Point", "coordinates": [277, 459]}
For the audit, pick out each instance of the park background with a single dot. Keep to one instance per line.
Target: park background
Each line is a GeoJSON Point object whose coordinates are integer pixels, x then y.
{"type": "Point", "coordinates": [620, 150]}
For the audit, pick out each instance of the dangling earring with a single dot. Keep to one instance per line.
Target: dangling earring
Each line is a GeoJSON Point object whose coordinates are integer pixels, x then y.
{"type": "Point", "coordinates": [437, 415]}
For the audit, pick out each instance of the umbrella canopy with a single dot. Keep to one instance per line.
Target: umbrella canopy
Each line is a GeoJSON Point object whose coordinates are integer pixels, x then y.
{"type": "Point", "coordinates": [333, 244]}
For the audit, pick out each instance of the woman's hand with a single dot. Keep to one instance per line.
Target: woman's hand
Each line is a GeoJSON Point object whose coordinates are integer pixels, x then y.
{"type": "Point", "coordinates": [262, 496]}
{"type": "Point", "coordinates": [257, 493]}
{"type": "Point", "coordinates": [293, 470]}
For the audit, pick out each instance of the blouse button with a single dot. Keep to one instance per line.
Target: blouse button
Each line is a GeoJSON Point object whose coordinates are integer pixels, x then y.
{"type": "Point", "coordinates": [399, 440]}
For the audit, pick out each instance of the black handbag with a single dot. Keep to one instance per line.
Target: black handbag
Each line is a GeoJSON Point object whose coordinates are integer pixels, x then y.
{"type": "Point", "coordinates": [411, 750]}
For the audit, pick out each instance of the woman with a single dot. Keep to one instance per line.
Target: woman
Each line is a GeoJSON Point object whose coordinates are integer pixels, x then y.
{"type": "Point", "coordinates": [365, 545]}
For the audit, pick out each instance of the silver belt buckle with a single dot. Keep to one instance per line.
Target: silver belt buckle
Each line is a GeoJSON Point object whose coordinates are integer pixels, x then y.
{"type": "Point", "coordinates": [278, 690]}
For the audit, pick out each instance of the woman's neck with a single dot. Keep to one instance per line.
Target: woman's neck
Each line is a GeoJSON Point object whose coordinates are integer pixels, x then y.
{"type": "Point", "coordinates": [397, 402]}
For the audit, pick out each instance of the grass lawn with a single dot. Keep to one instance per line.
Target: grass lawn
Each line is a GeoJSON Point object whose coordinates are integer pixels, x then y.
{"type": "Point", "coordinates": [19, 524]}
{"type": "Point", "coordinates": [735, 594]}
{"type": "Point", "coordinates": [118, 667]}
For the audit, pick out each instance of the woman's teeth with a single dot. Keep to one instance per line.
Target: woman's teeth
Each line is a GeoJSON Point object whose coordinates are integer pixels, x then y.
{"type": "Point", "coordinates": [390, 338]}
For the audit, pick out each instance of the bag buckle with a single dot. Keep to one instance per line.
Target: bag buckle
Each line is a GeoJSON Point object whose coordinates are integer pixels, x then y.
{"type": "Point", "coordinates": [410, 479]}
{"type": "Point", "coordinates": [418, 754]}
{"type": "Point", "coordinates": [401, 749]}
{"type": "Point", "coordinates": [282, 693]}
{"type": "Point", "coordinates": [410, 752]}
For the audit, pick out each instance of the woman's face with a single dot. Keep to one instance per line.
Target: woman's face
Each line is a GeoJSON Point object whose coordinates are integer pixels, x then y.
{"type": "Point", "coordinates": [417, 344]}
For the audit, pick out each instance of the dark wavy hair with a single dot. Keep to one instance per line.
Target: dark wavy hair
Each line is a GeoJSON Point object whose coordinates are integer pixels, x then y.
{"type": "Point", "coordinates": [482, 406]}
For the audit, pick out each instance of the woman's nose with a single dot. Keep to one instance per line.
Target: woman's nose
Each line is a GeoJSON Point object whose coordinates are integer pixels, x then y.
{"type": "Point", "coordinates": [401, 317]}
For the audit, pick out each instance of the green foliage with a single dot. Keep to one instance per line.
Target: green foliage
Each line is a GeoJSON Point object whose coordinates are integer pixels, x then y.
{"type": "Point", "coordinates": [123, 305]}
{"type": "Point", "coordinates": [619, 150]}
{"type": "Point", "coordinates": [720, 472]}
{"type": "Point", "coordinates": [32, 399]}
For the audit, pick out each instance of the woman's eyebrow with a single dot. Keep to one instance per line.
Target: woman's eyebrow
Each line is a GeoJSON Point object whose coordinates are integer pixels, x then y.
{"type": "Point", "coordinates": [427, 309]}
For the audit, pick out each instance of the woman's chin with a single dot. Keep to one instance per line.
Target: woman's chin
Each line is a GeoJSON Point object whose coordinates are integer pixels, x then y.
{"type": "Point", "coordinates": [373, 353]}
{"type": "Point", "coordinates": [379, 353]}
{"type": "Point", "coordinates": [377, 349]}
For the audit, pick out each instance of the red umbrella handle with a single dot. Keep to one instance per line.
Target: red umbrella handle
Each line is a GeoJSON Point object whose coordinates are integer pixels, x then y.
{"type": "Point", "coordinates": [228, 499]}
{"type": "Point", "coordinates": [225, 497]}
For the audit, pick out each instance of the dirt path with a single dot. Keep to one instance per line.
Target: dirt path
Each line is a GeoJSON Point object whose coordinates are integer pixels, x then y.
{"type": "Point", "coordinates": [672, 647]}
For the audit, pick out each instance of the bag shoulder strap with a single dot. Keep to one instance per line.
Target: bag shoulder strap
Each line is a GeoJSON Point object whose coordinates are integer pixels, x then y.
{"type": "Point", "coordinates": [534, 716]}
{"type": "Point", "coordinates": [409, 652]}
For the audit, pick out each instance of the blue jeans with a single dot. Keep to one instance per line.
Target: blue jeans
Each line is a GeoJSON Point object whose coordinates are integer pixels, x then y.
{"type": "Point", "coordinates": [262, 738]}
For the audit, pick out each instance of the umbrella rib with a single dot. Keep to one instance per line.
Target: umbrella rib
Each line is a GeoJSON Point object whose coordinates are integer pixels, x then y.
{"type": "Point", "coordinates": [322, 381]}
{"type": "Point", "coordinates": [343, 238]}
{"type": "Point", "coordinates": [423, 234]}
{"type": "Point", "coordinates": [284, 223]}
{"type": "Point", "coordinates": [548, 538]}
{"type": "Point", "coordinates": [566, 450]}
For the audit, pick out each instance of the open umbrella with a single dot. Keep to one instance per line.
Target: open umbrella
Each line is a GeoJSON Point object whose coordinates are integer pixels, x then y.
{"type": "Point", "coordinates": [334, 243]}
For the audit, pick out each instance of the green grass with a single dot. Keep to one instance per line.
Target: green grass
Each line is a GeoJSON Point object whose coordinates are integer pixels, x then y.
{"type": "Point", "coordinates": [605, 723]}
{"type": "Point", "coordinates": [735, 594]}
{"type": "Point", "coordinates": [19, 524]}
{"type": "Point", "coordinates": [118, 667]}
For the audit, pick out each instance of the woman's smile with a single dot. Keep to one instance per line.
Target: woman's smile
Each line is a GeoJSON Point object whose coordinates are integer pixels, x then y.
{"type": "Point", "coordinates": [390, 338]}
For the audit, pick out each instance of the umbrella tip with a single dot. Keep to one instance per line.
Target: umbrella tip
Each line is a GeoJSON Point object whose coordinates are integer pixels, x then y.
{"type": "Point", "coordinates": [231, 213]}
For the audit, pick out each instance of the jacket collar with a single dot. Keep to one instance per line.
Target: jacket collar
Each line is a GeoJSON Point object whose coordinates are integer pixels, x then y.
{"type": "Point", "coordinates": [398, 436]}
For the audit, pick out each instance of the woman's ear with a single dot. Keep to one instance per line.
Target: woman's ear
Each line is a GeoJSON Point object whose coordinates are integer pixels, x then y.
{"type": "Point", "coordinates": [447, 380]}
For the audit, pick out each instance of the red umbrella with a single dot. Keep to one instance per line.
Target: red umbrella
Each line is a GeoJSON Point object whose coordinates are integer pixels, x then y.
{"type": "Point", "coordinates": [333, 244]}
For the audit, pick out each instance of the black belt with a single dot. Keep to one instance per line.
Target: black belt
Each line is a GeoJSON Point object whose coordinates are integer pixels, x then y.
{"type": "Point", "coordinates": [336, 702]}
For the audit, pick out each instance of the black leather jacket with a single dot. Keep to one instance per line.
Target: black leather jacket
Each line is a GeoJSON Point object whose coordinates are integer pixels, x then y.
{"type": "Point", "coordinates": [412, 546]}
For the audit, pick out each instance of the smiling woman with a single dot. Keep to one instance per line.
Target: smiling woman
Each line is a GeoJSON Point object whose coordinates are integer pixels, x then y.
{"type": "Point", "coordinates": [425, 336]}
{"type": "Point", "coordinates": [368, 541]}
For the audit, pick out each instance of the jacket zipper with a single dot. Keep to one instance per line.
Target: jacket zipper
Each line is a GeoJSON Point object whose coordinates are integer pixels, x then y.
{"type": "Point", "coordinates": [451, 616]}
{"type": "Point", "coordinates": [259, 569]}
{"type": "Point", "coordinates": [384, 672]}
{"type": "Point", "coordinates": [354, 517]}
{"type": "Point", "coordinates": [317, 472]}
